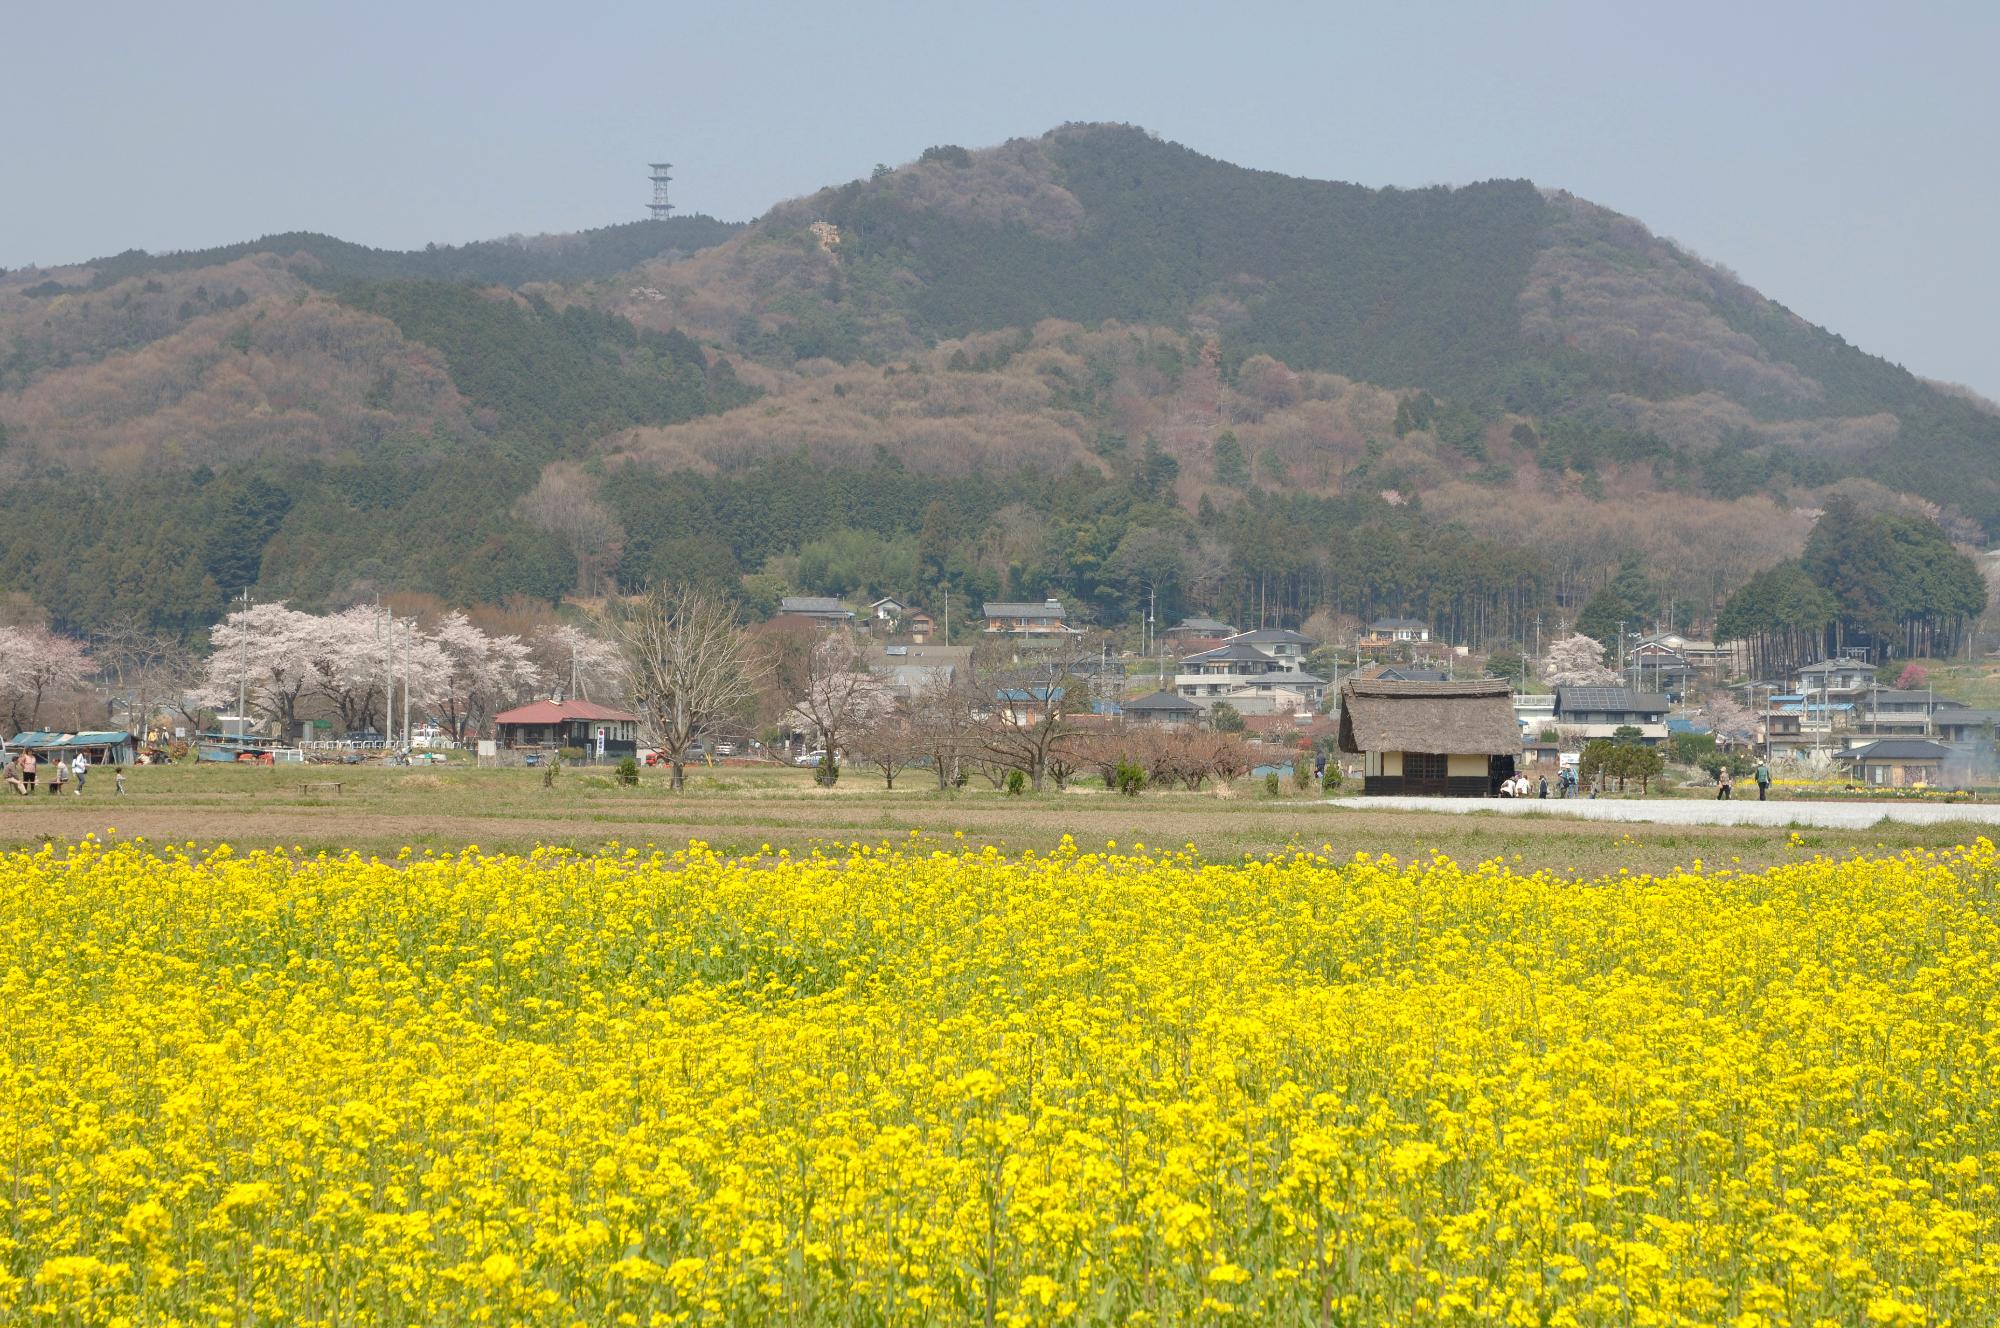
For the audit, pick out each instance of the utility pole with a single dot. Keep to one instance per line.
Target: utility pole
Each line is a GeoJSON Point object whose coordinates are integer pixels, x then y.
{"type": "Point", "coordinates": [243, 668]}
{"type": "Point", "coordinates": [388, 678]}
{"type": "Point", "coordinates": [406, 683]}
{"type": "Point", "coordinates": [389, 701]}
{"type": "Point", "coordinates": [1621, 653]}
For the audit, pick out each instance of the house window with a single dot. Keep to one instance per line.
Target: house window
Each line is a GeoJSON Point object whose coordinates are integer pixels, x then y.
{"type": "Point", "coordinates": [1424, 767]}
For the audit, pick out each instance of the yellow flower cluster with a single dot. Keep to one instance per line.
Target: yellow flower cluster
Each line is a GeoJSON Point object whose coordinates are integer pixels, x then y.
{"type": "Point", "coordinates": [907, 1087]}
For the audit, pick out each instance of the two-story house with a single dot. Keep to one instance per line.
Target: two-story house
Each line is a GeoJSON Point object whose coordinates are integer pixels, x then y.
{"type": "Point", "coordinates": [1196, 633]}
{"type": "Point", "coordinates": [1250, 679]}
{"type": "Point", "coordinates": [1891, 712]}
{"type": "Point", "coordinates": [1391, 631]}
{"type": "Point", "coordinates": [1794, 721]}
{"type": "Point", "coordinates": [1282, 644]}
{"type": "Point", "coordinates": [1655, 664]}
{"type": "Point", "coordinates": [1834, 679]}
{"type": "Point", "coordinates": [1044, 621]}
{"type": "Point", "coordinates": [1599, 712]}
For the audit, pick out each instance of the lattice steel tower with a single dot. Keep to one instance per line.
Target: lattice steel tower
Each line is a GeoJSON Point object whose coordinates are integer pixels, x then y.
{"type": "Point", "coordinates": [660, 207]}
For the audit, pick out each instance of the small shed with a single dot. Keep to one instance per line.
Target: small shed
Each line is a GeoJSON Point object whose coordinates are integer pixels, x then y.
{"type": "Point", "coordinates": [99, 747]}
{"type": "Point", "coordinates": [102, 746]}
{"type": "Point", "coordinates": [1439, 739]}
{"type": "Point", "coordinates": [570, 724]}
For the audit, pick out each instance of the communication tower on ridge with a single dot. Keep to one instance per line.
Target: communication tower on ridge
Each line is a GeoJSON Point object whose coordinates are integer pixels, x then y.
{"type": "Point", "coordinates": [660, 207]}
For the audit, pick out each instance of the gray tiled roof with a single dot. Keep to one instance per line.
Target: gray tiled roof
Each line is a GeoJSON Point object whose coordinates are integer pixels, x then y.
{"type": "Point", "coordinates": [1896, 749]}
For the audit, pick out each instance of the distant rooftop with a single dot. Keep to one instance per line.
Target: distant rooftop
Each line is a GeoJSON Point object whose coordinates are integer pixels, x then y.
{"type": "Point", "coordinates": [814, 605]}
{"type": "Point", "coordinates": [1048, 609]}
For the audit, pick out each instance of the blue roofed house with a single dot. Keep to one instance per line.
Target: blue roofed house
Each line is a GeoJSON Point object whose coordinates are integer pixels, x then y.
{"type": "Point", "coordinates": [1024, 707]}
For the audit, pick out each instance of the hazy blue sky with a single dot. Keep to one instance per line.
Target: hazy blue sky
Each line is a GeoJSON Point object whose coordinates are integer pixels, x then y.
{"type": "Point", "coordinates": [1844, 158]}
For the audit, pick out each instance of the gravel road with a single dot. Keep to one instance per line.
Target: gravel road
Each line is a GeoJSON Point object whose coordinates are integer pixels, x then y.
{"type": "Point", "coordinates": [1693, 811]}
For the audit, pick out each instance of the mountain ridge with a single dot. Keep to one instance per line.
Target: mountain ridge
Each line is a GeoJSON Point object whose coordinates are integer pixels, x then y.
{"type": "Point", "coordinates": [1094, 302]}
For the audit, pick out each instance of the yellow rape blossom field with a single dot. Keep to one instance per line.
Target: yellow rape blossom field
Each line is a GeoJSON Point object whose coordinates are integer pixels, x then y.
{"type": "Point", "coordinates": [909, 1086]}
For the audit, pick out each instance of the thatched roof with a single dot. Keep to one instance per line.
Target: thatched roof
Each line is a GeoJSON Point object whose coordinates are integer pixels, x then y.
{"type": "Point", "coordinates": [1469, 718]}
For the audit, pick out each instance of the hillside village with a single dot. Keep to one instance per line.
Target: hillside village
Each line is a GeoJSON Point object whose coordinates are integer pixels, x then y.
{"type": "Point", "coordinates": [1022, 689]}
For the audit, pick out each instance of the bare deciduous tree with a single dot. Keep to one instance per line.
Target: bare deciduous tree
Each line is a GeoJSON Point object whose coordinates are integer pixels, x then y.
{"type": "Point", "coordinates": [565, 503]}
{"type": "Point", "coordinates": [889, 742]}
{"type": "Point", "coordinates": [944, 721]}
{"type": "Point", "coordinates": [690, 669]}
{"type": "Point", "coordinates": [1038, 702]}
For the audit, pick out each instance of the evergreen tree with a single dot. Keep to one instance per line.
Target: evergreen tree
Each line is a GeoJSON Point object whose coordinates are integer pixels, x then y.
{"type": "Point", "coordinates": [1626, 598]}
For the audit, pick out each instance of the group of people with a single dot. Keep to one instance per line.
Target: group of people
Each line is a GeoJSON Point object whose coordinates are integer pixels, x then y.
{"type": "Point", "coordinates": [1516, 785]}
{"type": "Point", "coordinates": [24, 772]}
{"type": "Point", "coordinates": [1725, 783]}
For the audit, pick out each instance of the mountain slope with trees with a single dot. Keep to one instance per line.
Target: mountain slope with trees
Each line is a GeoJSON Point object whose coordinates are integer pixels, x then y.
{"type": "Point", "coordinates": [1092, 363]}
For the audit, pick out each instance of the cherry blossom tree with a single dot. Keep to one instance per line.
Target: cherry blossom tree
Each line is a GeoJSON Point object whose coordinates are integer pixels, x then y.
{"type": "Point", "coordinates": [841, 693]}
{"type": "Point", "coordinates": [272, 652]}
{"type": "Point", "coordinates": [1577, 661]}
{"type": "Point", "coordinates": [483, 673]}
{"type": "Point", "coordinates": [1727, 718]}
{"type": "Point", "coordinates": [34, 662]}
{"type": "Point", "coordinates": [581, 663]}
{"type": "Point", "coordinates": [343, 662]}
{"type": "Point", "coordinates": [352, 661]}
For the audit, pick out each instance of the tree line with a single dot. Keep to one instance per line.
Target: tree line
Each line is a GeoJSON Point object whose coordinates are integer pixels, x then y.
{"type": "Point", "coordinates": [1889, 582]}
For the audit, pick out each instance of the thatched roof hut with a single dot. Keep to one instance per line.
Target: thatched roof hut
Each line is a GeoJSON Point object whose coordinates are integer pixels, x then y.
{"type": "Point", "coordinates": [1456, 738]}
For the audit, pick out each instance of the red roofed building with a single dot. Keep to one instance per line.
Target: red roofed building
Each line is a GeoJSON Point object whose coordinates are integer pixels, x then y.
{"type": "Point", "coordinates": [570, 724]}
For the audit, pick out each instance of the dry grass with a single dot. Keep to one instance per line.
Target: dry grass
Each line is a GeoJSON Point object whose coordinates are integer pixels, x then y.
{"type": "Point", "coordinates": [446, 808]}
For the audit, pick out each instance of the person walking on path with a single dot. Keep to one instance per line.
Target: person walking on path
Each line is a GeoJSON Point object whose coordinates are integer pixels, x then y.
{"type": "Point", "coordinates": [1722, 784]}
{"type": "Point", "coordinates": [1763, 780]}
{"type": "Point", "coordinates": [80, 767]}
{"type": "Point", "coordinates": [118, 781]}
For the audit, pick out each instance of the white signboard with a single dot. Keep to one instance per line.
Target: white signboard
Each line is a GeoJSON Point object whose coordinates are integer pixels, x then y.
{"type": "Point", "coordinates": [488, 747]}
{"type": "Point", "coordinates": [601, 731]}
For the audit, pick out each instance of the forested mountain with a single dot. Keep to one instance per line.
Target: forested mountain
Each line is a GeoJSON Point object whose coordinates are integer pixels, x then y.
{"type": "Point", "coordinates": [516, 261]}
{"type": "Point", "coordinates": [1091, 363]}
